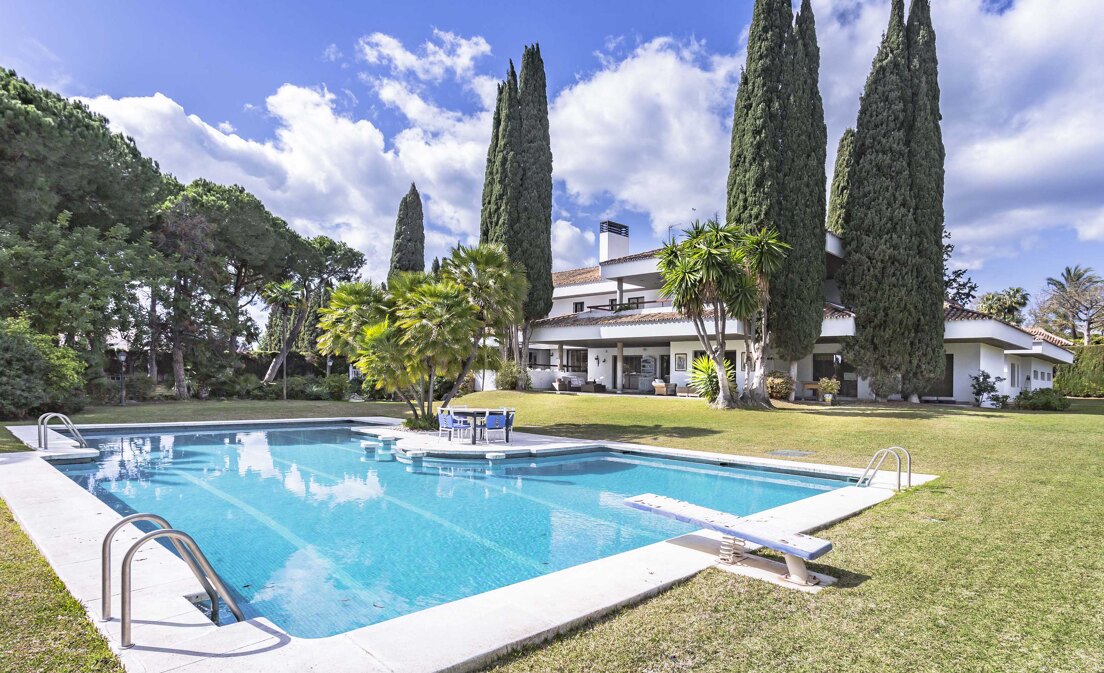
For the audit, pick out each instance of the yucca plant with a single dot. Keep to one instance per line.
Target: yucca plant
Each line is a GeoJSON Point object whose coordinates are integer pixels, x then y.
{"type": "Point", "coordinates": [703, 378]}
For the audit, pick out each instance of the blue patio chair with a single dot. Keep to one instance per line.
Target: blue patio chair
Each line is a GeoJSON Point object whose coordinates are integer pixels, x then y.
{"type": "Point", "coordinates": [496, 422]}
{"type": "Point", "coordinates": [446, 422]}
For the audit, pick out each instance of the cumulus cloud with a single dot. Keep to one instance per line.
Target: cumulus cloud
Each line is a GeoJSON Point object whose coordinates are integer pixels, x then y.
{"type": "Point", "coordinates": [649, 131]}
{"type": "Point", "coordinates": [323, 173]}
{"type": "Point", "coordinates": [446, 53]}
{"type": "Point", "coordinates": [572, 247]}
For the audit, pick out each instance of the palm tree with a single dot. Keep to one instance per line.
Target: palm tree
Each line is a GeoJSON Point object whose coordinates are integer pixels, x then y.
{"type": "Point", "coordinates": [282, 297]}
{"type": "Point", "coordinates": [496, 289]}
{"type": "Point", "coordinates": [351, 307]}
{"type": "Point", "coordinates": [437, 321]}
{"type": "Point", "coordinates": [719, 271]}
{"type": "Point", "coordinates": [1079, 293]}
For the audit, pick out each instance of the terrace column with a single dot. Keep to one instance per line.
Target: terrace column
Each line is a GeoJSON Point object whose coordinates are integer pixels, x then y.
{"type": "Point", "coordinates": [620, 293]}
{"type": "Point", "coordinates": [560, 357]}
{"type": "Point", "coordinates": [620, 364]}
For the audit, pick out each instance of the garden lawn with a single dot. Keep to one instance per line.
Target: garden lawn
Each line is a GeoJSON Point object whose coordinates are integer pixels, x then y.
{"type": "Point", "coordinates": [994, 567]}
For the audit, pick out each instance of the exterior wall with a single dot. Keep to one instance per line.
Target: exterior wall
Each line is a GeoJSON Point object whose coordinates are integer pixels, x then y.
{"type": "Point", "coordinates": [602, 370]}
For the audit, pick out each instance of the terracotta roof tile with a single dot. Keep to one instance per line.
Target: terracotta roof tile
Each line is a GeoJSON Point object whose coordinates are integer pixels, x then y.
{"type": "Point", "coordinates": [598, 317]}
{"type": "Point", "coordinates": [956, 312]}
{"type": "Point", "coordinates": [1043, 335]}
{"type": "Point", "coordinates": [588, 274]}
{"type": "Point", "coordinates": [633, 257]}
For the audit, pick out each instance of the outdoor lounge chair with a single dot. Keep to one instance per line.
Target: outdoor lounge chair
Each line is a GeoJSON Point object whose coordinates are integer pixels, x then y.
{"type": "Point", "coordinates": [446, 422]}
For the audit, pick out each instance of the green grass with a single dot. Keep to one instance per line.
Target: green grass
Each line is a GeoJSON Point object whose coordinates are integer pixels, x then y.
{"type": "Point", "coordinates": [994, 567]}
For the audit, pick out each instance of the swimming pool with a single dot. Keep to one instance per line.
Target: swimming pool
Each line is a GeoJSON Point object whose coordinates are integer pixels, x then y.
{"type": "Point", "coordinates": [315, 534]}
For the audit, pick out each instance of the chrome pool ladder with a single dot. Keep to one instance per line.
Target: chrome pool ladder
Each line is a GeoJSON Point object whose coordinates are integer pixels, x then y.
{"type": "Point", "coordinates": [188, 550]}
{"type": "Point", "coordinates": [879, 457]}
{"type": "Point", "coordinates": [43, 430]}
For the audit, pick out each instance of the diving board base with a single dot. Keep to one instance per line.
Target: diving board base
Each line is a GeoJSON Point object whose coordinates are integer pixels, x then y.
{"type": "Point", "coordinates": [775, 572]}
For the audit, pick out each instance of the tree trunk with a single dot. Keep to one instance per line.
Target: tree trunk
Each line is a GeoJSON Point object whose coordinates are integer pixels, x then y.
{"type": "Point", "coordinates": [523, 360]}
{"type": "Point", "coordinates": [468, 362]}
{"type": "Point", "coordinates": [151, 366]}
{"type": "Point", "coordinates": [289, 339]}
{"type": "Point", "coordinates": [178, 366]}
{"type": "Point", "coordinates": [725, 398]}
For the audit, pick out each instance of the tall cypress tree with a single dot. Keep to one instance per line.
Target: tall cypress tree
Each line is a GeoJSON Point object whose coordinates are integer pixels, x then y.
{"type": "Point", "coordinates": [505, 195]}
{"type": "Point", "coordinates": [486, 213]}
{"type": "Point", "coordinates": [926, 159]}
{"type": "Point", "coordinates": [879, 276]}
{"type": "Point", "coordinates": [408, 248]}
{"type": "Point", "coordinates": [755, 161]}
{"type": "Point", "coordinates": [841, 183]}
{"type": "Point", "coordinates": [797, 300]}
{"type": "Point", "coordinates": [535, 204]}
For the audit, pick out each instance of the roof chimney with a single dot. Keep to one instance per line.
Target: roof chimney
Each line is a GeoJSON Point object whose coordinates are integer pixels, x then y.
{"type": "Point", "coordinates": [613, 240]}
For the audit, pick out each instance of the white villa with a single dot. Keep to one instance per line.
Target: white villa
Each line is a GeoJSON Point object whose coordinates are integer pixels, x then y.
{"type": "Point", "coordinates": [610, 328]}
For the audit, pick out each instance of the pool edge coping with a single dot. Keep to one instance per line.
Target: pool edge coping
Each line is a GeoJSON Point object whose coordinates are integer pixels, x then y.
{"type": "Point", "coordinates": [510, 617]}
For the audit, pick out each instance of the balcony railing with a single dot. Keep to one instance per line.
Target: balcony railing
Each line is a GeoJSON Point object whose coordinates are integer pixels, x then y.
{"type": "Point", "coordinates": [614, 307]}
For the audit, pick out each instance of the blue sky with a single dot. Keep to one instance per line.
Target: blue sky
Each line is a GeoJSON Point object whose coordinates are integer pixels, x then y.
{"type": "Point", "coordinates": [328, 111]}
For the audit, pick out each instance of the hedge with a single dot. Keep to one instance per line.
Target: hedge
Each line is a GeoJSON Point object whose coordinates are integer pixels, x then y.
{"type": "Point", "coordinates": [1085, 377]}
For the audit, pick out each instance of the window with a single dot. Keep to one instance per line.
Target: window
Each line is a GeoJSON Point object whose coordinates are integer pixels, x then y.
{"type": "Point", "coordinates": [576, 359]}
{"type": "Point", "coordinates": [577, 307]}
{"type": "Point", "coordinates": [1050, 375]}
{"type": "Point", "coordinates": [1014, 375]}
{"type": "Point", "coordinates": [636, 302]}
{"type": "Point", "coordinates": [1035, 374]}
{"type": "Point", "coordinates": [613, 304]}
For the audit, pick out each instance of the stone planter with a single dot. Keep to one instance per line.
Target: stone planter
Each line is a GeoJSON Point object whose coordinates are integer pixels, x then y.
{"type": "Point", "coordinates": [828, 399]}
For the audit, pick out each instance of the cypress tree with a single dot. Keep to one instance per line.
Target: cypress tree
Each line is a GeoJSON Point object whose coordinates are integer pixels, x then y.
{"type": "Point", "coordinates": [535, 204]}
{"type": "Point", "coordinates": [755, 161]}
{"type": "Point", "coordinates": [408, 248]}
{"type": "Point", "coordinates": [926, 159]}
{"type": "Point", "coordinates": [879, 277]}
{"type": "Point", "coordinates": [506, 189]}
{"type": "Point", "coordinates": [841, 183]}
{"type": "Point", "coordinates": [797, 300]}
{"type": "Point", "coordinates": [486, 213]}
{"type": "Point", "coordinates": [435, 267]}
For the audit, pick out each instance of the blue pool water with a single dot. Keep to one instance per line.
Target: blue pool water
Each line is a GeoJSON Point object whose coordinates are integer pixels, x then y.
{"type": "Point", "coordinates": [315, 534]}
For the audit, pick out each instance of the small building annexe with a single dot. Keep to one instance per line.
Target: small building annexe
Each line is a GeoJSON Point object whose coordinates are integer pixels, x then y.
{"type": "Point", "coordinates": [610, 325]}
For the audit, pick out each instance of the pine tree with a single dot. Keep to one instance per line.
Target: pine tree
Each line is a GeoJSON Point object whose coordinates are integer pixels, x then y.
{"type": "Point", "coordinates": [879, 278]}
{"type": "Point", "coordinates": [486, 213]}
{"type": "Point", "coordinates": [755, 162]}
{"type": "Point", "coordinates": [841, 183]}
{"type": "Point", "coordinates": [926, 159]}
{"type": "Point", "coordinates": [797, 300]}
{"type": "Point", "coordinates": [408, 248]}
{"type": "Point", "coordinates": [535, 205]}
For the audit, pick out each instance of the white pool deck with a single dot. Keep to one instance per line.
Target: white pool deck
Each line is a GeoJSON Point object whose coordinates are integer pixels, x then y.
{"type": "Point", "coordinates": [67, 524]}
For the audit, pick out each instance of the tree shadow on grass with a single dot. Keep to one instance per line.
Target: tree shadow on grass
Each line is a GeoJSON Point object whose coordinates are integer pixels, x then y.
{"type": "Point", "coordinates": [620, 432]}
{"type": "Point", "coordinates": [904, 413]}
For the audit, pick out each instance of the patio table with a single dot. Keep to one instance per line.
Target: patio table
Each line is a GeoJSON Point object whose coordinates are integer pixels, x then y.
{"type": "Point", "coordinates": [478, 418]}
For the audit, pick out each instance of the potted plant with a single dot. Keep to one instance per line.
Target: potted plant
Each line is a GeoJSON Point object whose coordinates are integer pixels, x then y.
{"type": "Point", "coordinates": [829, 388]}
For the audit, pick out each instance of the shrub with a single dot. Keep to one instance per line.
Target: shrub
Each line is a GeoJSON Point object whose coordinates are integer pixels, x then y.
{"type": "Point", "coordinates": [508, 374]}
{"type": "Point", "coordinates": [983, 384]}
{"type": "Point", "coordinates": [468, 386]}
{"type": "Point", "coordinates": [421, 423]}
{"type": "Point", "coordinates": [779, 385]}
{"type": "Point", "coordinates": [337, 386]}
{"type": "Point", "coordinates": [703, 378]}
{"type": "Point", "coordinates": [1085, 377]}
{"type": "Point", "coordinates": [369, 390]}
{"type": "Point", "coordinates": [102, 390]}
{"type": "Point", "coordinates": [35, 373]}
{"type": "Point", "coordinates": [1042, 399]}
{"type": "Point", "coordinates": [829, 386]}
{"type": "Point", "coordinates": [140, 387]}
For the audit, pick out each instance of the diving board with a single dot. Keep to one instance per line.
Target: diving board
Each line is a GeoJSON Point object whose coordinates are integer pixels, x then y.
{"type": "Point", "coordinates": [795, 547]}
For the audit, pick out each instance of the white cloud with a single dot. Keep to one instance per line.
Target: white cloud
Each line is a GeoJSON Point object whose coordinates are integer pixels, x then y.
{"type": "Point", "coordinates": [331, 53]}
{"type": "Point", "coordinates": [650, 131]}
{"type": "Point", "coordinates": [449, 53]}
{"type": "Point", "coordinates": [572, 247]}
{"type": "Point", "coordinates": [226, 127]}
{"type": "Point", "coordinates": [322, 172]}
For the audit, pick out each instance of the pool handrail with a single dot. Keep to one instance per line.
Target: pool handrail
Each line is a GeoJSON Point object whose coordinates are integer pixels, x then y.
{"type": "Point", "coordinates": [878, 458]}
{"type": "Point", "coordinates": [198, 564]}
{"type": "Point", "coordinates": [43, 429]}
